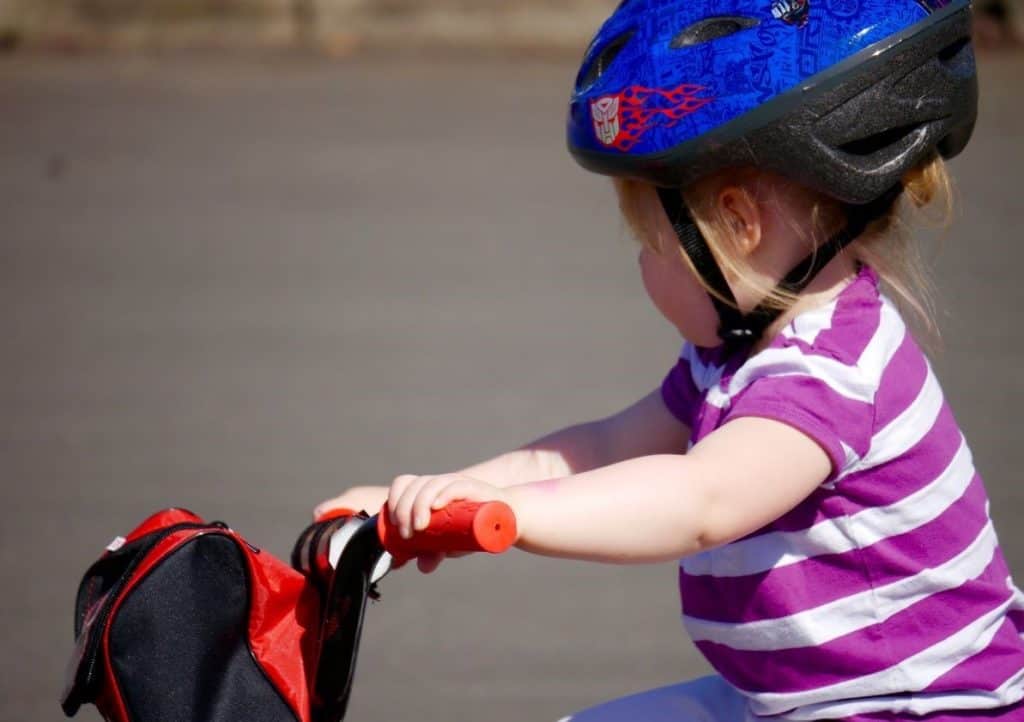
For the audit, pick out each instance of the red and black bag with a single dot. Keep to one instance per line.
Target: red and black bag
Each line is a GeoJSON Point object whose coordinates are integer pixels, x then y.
{"type": "Point", "coordinates": [185, 620]}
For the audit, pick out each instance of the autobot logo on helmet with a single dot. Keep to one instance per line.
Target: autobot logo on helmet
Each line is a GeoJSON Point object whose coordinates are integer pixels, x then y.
{"type": "Point", "coordinates": [605, 113]}
{"type": "Point", "coordinates": [621, 120]}
{"type": "Point", "coordinates": [794, 12]}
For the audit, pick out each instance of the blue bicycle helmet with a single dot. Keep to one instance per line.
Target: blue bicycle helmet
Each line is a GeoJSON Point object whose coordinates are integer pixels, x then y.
{"type": "Point", "coordinates": [843, 96]}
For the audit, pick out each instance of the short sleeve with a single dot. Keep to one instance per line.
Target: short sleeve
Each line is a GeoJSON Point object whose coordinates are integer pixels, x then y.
{"type": "Point", "coordinates": [825, 401]}
{"type": "Point", "coordinates": [679, 391]}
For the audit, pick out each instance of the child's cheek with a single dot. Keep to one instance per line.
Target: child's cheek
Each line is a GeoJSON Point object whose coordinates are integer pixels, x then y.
{"type": "Point", "coordinates": [699, 322]}
{"type": "Point", "coordinates": [680, 298]}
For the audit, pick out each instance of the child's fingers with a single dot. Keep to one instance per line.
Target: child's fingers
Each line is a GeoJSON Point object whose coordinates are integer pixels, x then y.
{"type": "Point", "coordinates": [430, 561]}
{"type": "Point", "coordinates": [358, 498]}
{"type": "Point", "coordinates": [446, 496]}
{"type": "Point", "coordinates": [427, 563]}
{"type": "Point", "coordinates": [459, 490]}
{"type": "Point", "coordinates": [396, 491]}
{"type": "Point", "coordinates": [402, 509]}
{"type": "Point", "coordinates": [347, 501]}
{"type": "Point", "coordinates": [462, 489]}
{"type": "Point", "coordinates": [412, 498]}
{"type": "Point", "coordinates": [327, 505]}
{"type": "Point", "coordinates": [398, 487]}
{"type": "Point", "coordinates": [425, 497]}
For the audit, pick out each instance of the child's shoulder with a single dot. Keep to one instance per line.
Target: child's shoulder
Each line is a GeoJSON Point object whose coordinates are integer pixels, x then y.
{"type": "Point", "coordinates": [859, 329]}
{"type": "Point", "coordinates": [847, 343]}
{"type": "Point", "coordinates": [844, 346]}
{"type": "Point", "coordinates": [830, 373]}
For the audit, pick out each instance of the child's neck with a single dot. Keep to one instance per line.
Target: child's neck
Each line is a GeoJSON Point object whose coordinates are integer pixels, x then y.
{"type": "Point", "coordinates": [829, 282]}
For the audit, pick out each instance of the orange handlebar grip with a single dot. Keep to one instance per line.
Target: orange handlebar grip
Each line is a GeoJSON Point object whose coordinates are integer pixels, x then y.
{"type": "Point", "coordinates": [462, 526]}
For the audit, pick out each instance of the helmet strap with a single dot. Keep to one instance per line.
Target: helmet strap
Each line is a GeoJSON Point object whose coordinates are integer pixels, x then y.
{"type": "Point", "coordinates": [736, 328]}
{"type": "Point", "coordinates": [699, 252]}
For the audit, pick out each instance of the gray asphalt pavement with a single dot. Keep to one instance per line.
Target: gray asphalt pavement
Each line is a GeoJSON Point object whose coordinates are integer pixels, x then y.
{"type": "Point", "coordinates": [241, 284]}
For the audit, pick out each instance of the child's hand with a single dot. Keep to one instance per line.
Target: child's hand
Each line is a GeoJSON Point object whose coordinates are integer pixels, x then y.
{"type": "Point", "coordinates": [359, 498]}
{"type": "Point", "coordinates": [411, 499]}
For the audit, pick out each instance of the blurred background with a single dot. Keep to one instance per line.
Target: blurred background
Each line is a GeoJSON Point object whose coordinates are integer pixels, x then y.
{"type": "Point", "coordinates": [256, 251]}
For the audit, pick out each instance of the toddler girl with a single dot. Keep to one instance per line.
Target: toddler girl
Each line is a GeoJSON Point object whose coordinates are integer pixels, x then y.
{"type": "Point", "coordinates": [838, 559]}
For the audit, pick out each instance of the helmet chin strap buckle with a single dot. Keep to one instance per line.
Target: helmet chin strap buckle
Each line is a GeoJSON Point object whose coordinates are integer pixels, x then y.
{"type": "Point", "coordinates": [735, 334]}
{"type": "Point", "coordinates": [737, 329]}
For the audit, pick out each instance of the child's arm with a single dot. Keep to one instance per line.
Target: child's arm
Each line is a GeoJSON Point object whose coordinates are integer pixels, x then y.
{"type": "Point", "coordinates": [645, 427]}
{"type": "Point", "coordinates": [652, 508]}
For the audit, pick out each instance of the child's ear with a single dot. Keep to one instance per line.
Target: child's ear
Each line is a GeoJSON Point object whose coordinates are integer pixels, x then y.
{"type": "Point", "coordinates": [743, 215]}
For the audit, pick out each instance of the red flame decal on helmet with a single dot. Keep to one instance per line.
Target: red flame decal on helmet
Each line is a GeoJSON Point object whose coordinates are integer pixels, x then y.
{"type": "Point", "coordinates": [640, 109]}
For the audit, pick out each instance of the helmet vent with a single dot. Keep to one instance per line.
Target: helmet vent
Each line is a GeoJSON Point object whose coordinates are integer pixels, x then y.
{"type": "Point", "coordinates": [874, 143]}
{"type": "Point", "coordinates": [600, 62]}
{"type": "Point", "coordinates": [709, 29]}
{"type": "Point", "coordinates": [950, 53]}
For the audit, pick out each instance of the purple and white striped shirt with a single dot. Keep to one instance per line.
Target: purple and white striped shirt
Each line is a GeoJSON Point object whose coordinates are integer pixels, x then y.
{"type": "Point", "coordinates": [883, 595]}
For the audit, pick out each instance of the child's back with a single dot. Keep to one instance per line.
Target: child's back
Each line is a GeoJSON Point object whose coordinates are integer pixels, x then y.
{"type": "Point", "coordinates": [888, 577]}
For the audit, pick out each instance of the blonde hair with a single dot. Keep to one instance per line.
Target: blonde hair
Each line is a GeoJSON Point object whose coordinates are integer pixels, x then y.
{"type": "Point", "coordinates": [886, 245]}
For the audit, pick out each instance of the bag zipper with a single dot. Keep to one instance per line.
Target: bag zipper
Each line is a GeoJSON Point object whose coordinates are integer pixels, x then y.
{"type": "Point", "coordinates": [91, 653]}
